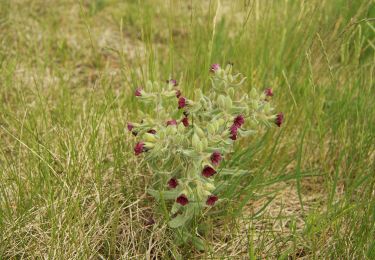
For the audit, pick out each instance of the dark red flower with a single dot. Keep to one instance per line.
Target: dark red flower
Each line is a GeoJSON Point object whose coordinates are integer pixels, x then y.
{"type": "Point", "coordinates": [130, 126]}
{"type": "Point", "coordinates": [214, 67]}
{"type": "Point", "coordinates": [233, 131]}
{"type": "Point", "coordinates": [185, 121]}
{"type": "Point", "coordinates": [181, 102]}
{"type": "Point", "coordinates": [138, 92]}
{"type": "Point", "coordinates": [239, 121]}
{"type": "Point", "coordinates": [211, 200]}
{"type": "Point", "coordinates": [182, 199]}
{"type": "Point", "coordinates": [268, 92]}
{"type": "Point", "coordinates": [216, 158]}
{"type": "Point", "coordinates": [171, 122]}
{"type": "Point", "coordinates": [208, 171]}
{"type": "Point", "coordinates": [279, 119]}
{"type": "Point", "coordinates": [172, 183]}
{"type": "Point", "coordinates": [151, 131]}
{"type": "Point", "coordinates": [172, 82]}
{"type": "Point", "coordinates": [139, 148]}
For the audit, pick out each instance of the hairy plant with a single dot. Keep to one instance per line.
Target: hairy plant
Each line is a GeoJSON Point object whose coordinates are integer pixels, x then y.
{"type": "Point", "coordinates": [185, 141]}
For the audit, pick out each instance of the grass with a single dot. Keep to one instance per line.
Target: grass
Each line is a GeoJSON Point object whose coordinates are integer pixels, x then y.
{"type": "Point", "coordinates": [70, 186]}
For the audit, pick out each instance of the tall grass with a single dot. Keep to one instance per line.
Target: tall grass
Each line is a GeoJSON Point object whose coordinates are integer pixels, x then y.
{"type": "Point", "coordinates": [69, 184]}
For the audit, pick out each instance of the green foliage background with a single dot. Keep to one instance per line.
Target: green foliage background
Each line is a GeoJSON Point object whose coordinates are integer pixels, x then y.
{"type": "Point", "coordinates": [70, 186]}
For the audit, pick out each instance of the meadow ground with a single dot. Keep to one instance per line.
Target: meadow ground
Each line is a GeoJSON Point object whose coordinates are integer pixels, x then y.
{"type": "Point", "coordinates": [70, 186]}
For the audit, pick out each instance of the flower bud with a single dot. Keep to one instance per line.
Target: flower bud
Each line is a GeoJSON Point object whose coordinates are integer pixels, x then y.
{"type": "Point", "coordinates": [182, 200]}
{"type": "Point", "coordinates": [139, 148]}
{"type": "Point", "coordinates": [130, 126]}
{"type": "Point", "coordinates": [216, 158]}
{"type": "Point", "coordinates": [171, 122]}
{"type": "Point", "coordinates": [208, 171]}
{"type": "Point", "coordinates": [211, 200]}
{"type": "Point", "coordinates": [268, 92]}
{"type": "Point", "coordinates": [239, 121]}
{"type": "Point", "coordinates": [185, 121]}
{"type": "Point", "coordinates": [172, 82]}
{"type": "Point", "coordinates": [214, 67]}
{"type": "Point", "coordinates": [138, 92]}
{"type": "Point", "coordinates": [279, 119]}
{"type": "Point", "coordinates": [172, 183]}
{"type": "Point", "coordinates": [233, 132]}
{"type": "Point", "coordinates": [181, 102]}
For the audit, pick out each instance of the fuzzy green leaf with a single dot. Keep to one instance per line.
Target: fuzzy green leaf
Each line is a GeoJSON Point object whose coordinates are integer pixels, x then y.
{"type": "Point", "coordinates": [167, 195]}
{"type": "Point", "coordinates": [178, 221]}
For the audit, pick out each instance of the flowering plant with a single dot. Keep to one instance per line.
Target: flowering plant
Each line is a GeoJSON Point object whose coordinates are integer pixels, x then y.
{"type": "Point", "coordinates": [185, 141]}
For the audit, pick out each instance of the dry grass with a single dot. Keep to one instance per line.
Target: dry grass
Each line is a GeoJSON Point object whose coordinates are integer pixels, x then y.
{"type": "Point", "coordinates": [69, 185]}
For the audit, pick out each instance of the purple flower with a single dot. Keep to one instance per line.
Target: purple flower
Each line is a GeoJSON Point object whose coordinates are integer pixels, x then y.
{"type": "Point", "coordinates": [173, 82]}
{"type": "Point", "coordinates": [239, 121]}
{"type": "Point", "coordinates": [171, 122]}
{"type": "Point", "coordinates": [151, 131]}
{"type": "Point", "coordinates": [215, 158]}
{"type": "Point", "coordinates": [181, 102]}
{"type": "Point", "coordinates": [208, 171]}
{"type": "Point", "coordinates": [172, 183]}
{"type": "Point", "coordinates": [185, 121]}
{"type": "Point", "coordinates": [279, 119]}
{"type": "Point", "coordinates": [268, 92]}
{"type": "Point", "coordinates": [233, 131]}
{"type": "Point", "coordinates": [214, 67]}
{"type": "Point", "coordinates": [138, 92]}
{"type": "Point", "coordinates": [178, 93]}
{"type": "Point", "coordinates": [211, 200]}
{"type": "Point", "coordinates": [130, 126]}
{"type": "Point", "coordinates": [139, 148]}
{"type": "Point", "coordinates": [182, 199]}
